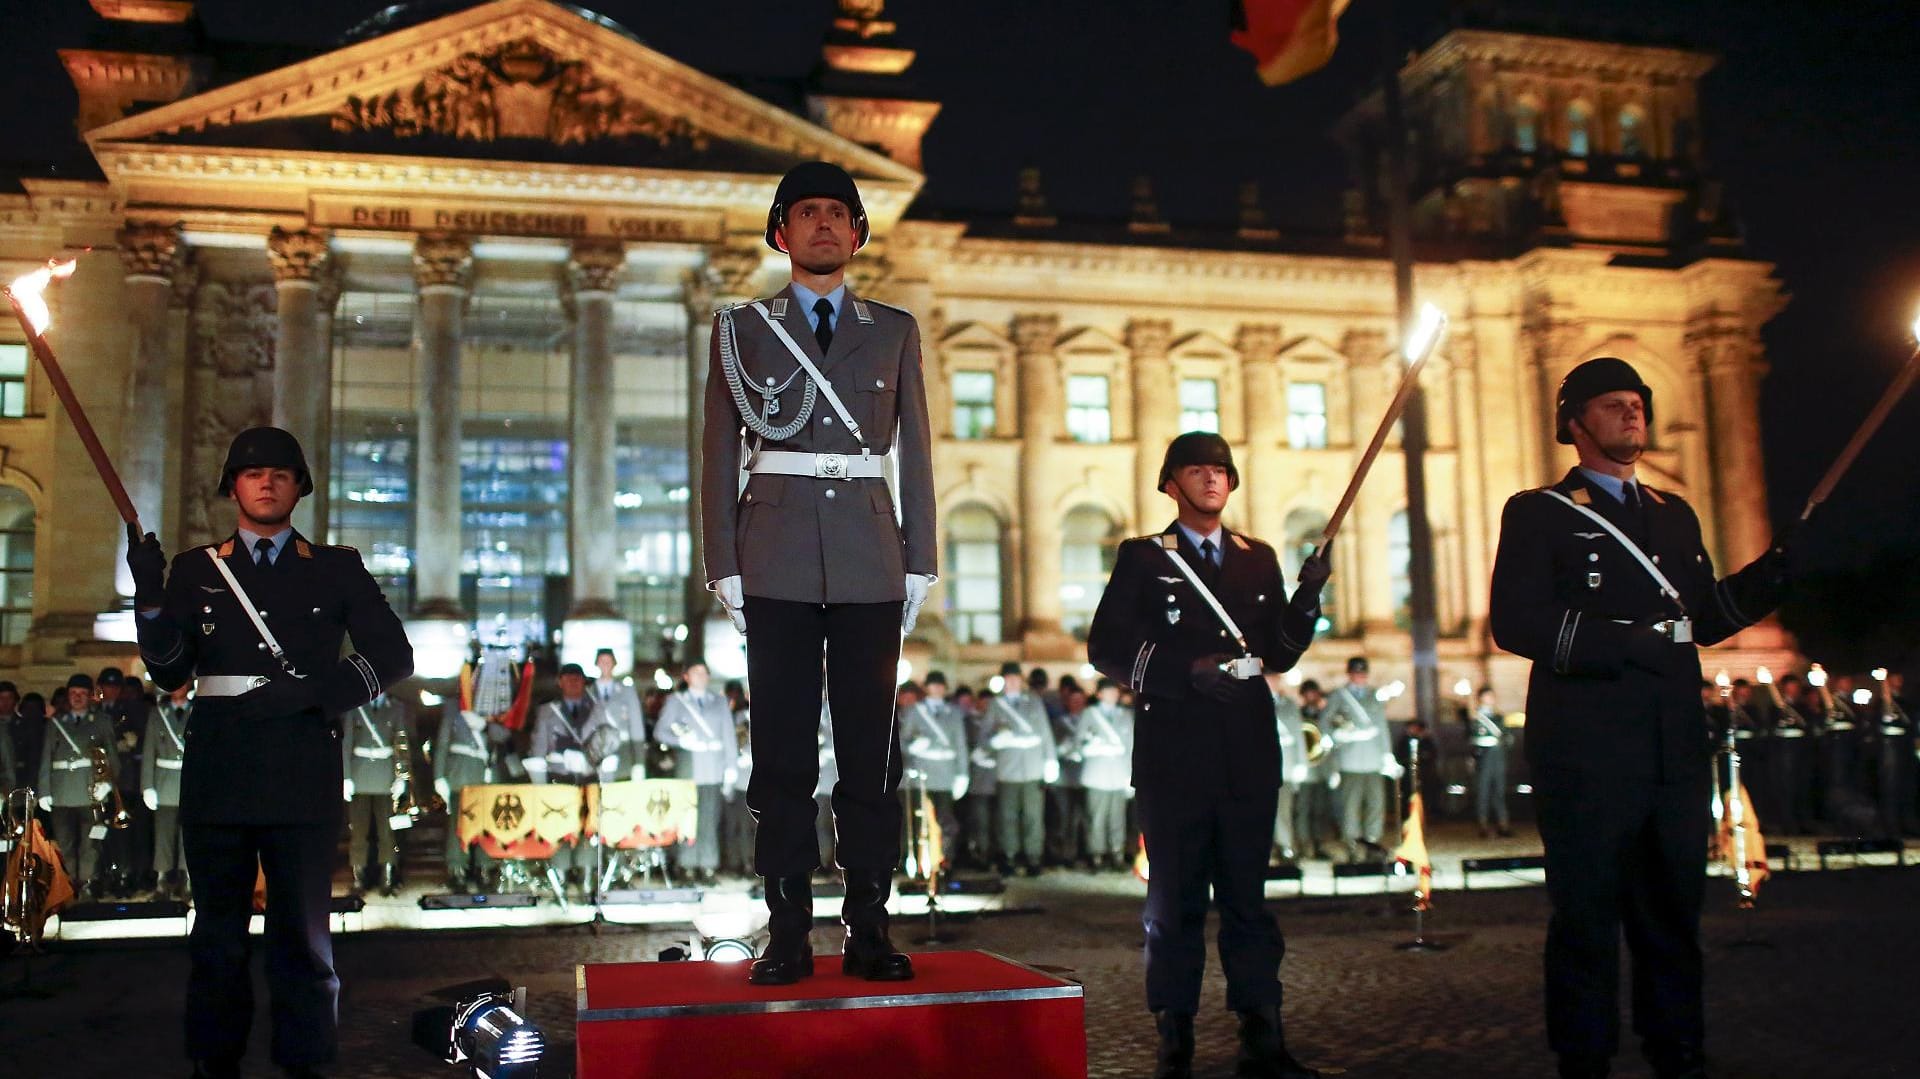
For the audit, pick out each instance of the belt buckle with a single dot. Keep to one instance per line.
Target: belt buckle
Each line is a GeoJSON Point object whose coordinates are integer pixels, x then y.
{"type": "Point", "coordinates": [830, 466]}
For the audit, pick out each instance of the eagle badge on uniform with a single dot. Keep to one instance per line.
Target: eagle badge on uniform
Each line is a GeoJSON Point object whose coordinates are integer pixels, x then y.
{"type": "Point", "coordinates": [1173, 615]}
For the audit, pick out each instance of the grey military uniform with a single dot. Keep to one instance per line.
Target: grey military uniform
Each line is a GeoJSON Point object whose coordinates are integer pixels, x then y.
{"type": "Point", "coordinates": [700, 727]}
{"type": "Point", "coordinates": [1021, 738]}
{"type": "Point", "coordinates": [462, 757]}
{"type": "Point", "coordinates": [1105, 741]}
{"type": "Point", "coordinates": [160, 767]}
{"type": "Point", "coordinates": [561, 740]}
{"type": "Point", "coordinates": [1294, 771]}
{"type": "Point", "coordinates": [369, 761]}
{"type": "Point", "coordinates": [66, 776]}
{"type": "Point", "coordinates": [934, 735]}
{"type": "Point", "coordinates": [1361, 748]}
{"type": "Point", "coordinates": [621, 705]}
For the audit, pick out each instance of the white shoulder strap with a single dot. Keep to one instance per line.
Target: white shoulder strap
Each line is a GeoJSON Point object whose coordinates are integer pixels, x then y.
{"type": "Point", "coordinates": [1633, 548]}
{"type": "Point", "coordinates": [253, 613]}
{"type": "Point", "coordinates": [813, 373]}
{"type": "Point", "coordinates": [1206, 594]}
{"type": "Point", "coordinates": [75, 746]}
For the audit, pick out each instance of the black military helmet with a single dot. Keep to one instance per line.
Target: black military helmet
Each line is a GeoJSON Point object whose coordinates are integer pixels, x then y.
{"type": "Point", "coordinates": [1198, 448]}
{"type": "Point", "coordinates": [1603, 374]}
{"type": "Point", "coordinates": [1011, 668]}
{"type": "Point", "coordinates": [1358, 665]}
{"type": "Point", "coordinates": [110, 676]}
{"type": "Point", "coordinates": [265, 447]}
{"type": "Point", "coordinates": [816, 180]}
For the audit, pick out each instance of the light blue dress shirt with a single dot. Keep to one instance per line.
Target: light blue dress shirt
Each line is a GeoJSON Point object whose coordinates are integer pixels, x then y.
{"type": "Point", "coordinates": [807, 298]}
{"type": "Point", "coordinates": [1613, 485]}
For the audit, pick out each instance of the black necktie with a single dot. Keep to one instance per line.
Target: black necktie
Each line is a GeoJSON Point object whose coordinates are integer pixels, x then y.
{"type": "Point", "coordinates": [263, 552]}
{"type": "Point", "coordinates": [1209, 565]}
{"type": "Point", "coordinates": [823, 324]}
{"type": "Point", "coordinates": [1630, 494]}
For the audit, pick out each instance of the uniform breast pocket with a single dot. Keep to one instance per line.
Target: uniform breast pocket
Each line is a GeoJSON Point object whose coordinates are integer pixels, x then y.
{"type": "Point", "coordinates": [877, 407]}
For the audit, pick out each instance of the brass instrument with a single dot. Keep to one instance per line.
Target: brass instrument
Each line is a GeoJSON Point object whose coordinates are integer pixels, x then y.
{"type": "Point", "coordinates": [1317, 744]}
{"type": "Point", "coordinates": [108, 808]}
{"type": "Point", "coordinates": [404, 803]}
{"type": "Point", "coordinates": [29, 877]}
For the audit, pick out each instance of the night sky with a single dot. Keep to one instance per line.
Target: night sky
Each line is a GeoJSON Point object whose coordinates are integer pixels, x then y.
{"type": "Point", "coordinates": [1812, 119]}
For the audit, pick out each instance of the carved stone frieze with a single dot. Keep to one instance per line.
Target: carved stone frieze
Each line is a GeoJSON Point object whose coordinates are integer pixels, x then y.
{"type": "Point", "coordinates": [439, 259]}
{"type": "Point", "coordinates": [520, 90]}
{"type": "Point", "coordinates": [151, 250]}
{"type": "Point", "coordinates": [1034, 333]}
{"type": "Point", "coordinates": [229, 372]}
{"type": "Point", "coordinates": [296, 254]}
{"type": "Point", "coordinates": [1257, 342]}
{"type": "Point", "coordinates": [735, 267]}
{"type": "Point", "coordinates": [1149, 337]}
{"type": "Point", "coordinates": [595, 265]}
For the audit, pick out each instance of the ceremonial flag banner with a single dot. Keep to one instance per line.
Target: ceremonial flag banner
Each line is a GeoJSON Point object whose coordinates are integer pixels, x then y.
{"type": "Point", "coordinates": [1756, 844]}
{"type": "Point", "coordinates": [1412, 851]}
{"type": "Point", "coordinates": [1289, 39]}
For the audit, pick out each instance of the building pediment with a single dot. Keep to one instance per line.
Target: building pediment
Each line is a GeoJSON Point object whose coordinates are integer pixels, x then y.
{"type": "Point", "coordinates": [512, 80]}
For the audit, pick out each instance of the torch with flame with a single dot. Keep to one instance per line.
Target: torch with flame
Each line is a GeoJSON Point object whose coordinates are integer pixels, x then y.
{"type": "Point", "coordinates": [1421, 339]}
{"type": "Point", "coordinates": [1895, 391]}
{"type": "Point", "coordinates": [28, 296]}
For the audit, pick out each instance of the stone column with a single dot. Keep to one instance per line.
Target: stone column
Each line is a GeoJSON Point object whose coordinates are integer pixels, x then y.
{"type": "Point", "coordinates": [593, 622]}
{"type": "Point", "coordinates": [1260, 476]}
{"type": "Point", "coordinates": [302, 363]}
{"type": "Point", "coordinates": [442, 268]}
{"type": "Point", "coordinates": [152, 257]}
{"type": "Point", "coordinates": [1156, 415]}
{"type": "Point", "coordinates": [1042, 424]}
{"type": "Point", "coordinates": [1730, 356]}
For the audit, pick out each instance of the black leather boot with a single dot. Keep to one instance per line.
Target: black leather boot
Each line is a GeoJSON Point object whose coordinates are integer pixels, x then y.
{"type": "Point", "coordinates": [1174, 1058]}
{"type": "Point", "coordinates": [1677, 1061]}
{"type": "Point", "coordinates": [868, 952]}
{"type": "Point", "coordinates": [789, 953]}
{"type": "Point", "coordinates": [1263, 1048]}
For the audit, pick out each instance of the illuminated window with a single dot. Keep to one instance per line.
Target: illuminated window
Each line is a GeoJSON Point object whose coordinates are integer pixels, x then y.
{"type": "Point", "coordinates": [973, 404]}
{"type": "Point", "coordinates": [1307, 415]}
{"type": "Point", "coordinates": [13, 380]}
{"type": "Point", "coordinates": [1088, 540]}
{"type": "Point", "coordinates": [1577, 141]}
{"type": "Point", "coordinates": [1089, 419]}
{"type": "Point", "coordinates": [1526, 127]}
{"type": "Point", "coordinates": [1303, 529]}
{"type": "Point", "coordinates": [1199, 404]}
{"type": "Point", "coordinates": [16, 564]}
{"type": "Point", "coordinates": [1632, 132]}
{"type": "Point", "coordinates": [1399, 570]}
{"type": "Point", "coordinates": [973, 575]}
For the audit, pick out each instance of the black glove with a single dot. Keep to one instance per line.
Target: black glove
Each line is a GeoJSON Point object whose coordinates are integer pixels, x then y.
{"type": "Point", "coordinates": [282, 697]}
{"type": "Point", "coordinates": [1208, 677]}
{"type": "Point", "coordinates": [1313, 577]}
{"type": "Point", "coordinates": [1651, 650]}
{"type": "Point", "coordinates": [1776, 564]}
{"type": "Point", "coordinates": [148, 564]}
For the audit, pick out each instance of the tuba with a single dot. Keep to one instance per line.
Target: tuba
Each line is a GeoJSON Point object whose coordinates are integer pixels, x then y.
{"type": "Point", "coordinates": [108, 808]}
{"type": "Point", "coordinates": [404, 803]}
{"type": "Point", "coordinates": [28, 877]}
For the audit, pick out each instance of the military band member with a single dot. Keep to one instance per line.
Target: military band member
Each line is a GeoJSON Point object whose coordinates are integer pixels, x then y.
{"type": "Point", "coordinates": [697, 723]}
{"type": "Point", "coordinates": [1293, 777]}
{"type": "Point", "coordinates": [1842, 807]}
{"type": "Point", "coordinates": [372, 771]}
{"type": "Point", "coordinates": [736, 819]}
{"type": "Point", "coordinates": [1791, 774]}
{"type": "Point", "coordinates": [463, 749]}
{"type": "Point", "coordinates": [1206, 758]}
{"type": "Point", "coordinates": [935, 738]}
{"type": "Point", "coordinates": [260, 787]}
{"type": "Point", "coordinates": [978, 805]}
{"type": "Point", "coordinates": [66, 786]}
{"type": "Point", "coordinates": [1066, 795]}
{"type": "Point", "coordinates": [814, 556]}
{"type": "Point", "coordinates": [1487, 734]}
{"type": "Point", "coordinates": [1104, 732]}
{"type": "Point", "coordinates": [160, 784]}
{"type": "Point", "coordinates": [621, 705]}
{"type": "Point", "coordinates": [1363, 760]}
{"type": "Point", "coordinates": [1618, 764]}
{"type": "Point", "coordinates": [573, 743]}
{"type": "Point", "coordinates": [1894, 761]}
{"type": "Point", "coordinates": [1316, 805]}
{"type": "Point", "coordinates": [1025, 760]}
{"type": "Point", "coordinates": [127, 852]}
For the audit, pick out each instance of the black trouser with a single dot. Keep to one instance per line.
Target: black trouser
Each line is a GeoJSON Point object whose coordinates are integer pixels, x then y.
{"type": "Point", "coordinates": [861, 644]}
{"type": "Point", "coordinates": [128, 851]}
{"type": "Point", "coordinates": [1839, 769]}
{"type": "Point", "coordinates": [1623, 854]}
{"type": "Point", "coordinates": [1196, 842]}
{"type": "Point", "coordinates": [1490, 788]}
{"type": "Point", "coordinates": [977, 810]}
{"type": "Point", "coordinates": [370, 839]}
{"type": "Point", "coordinates": [1790, 774]}
{"type": "Point", "coordinates": [298, 862]}
{"type": "Point", "coordinates": [1896, 785]}
{"type": "Point", "coordinates": [167, 852]}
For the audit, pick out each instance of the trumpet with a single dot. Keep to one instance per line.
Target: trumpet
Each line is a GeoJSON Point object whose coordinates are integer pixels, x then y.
{"type": "Point", "coordinates": [108, 808]}
{"type": "Point", "coordinates": [29, 878]}
{"type": "Point", "coordinates": [1316, 743]}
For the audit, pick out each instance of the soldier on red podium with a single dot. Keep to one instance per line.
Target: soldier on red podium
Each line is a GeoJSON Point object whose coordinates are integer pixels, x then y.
{"type": "Point", "coordinates": [808, 392]}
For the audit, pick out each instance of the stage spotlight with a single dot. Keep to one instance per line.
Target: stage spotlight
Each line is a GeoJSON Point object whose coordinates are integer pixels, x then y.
{"type": "Point", "coordinates": [730, 950]}
{"type": "Point", "coordinates": [485, 1030]}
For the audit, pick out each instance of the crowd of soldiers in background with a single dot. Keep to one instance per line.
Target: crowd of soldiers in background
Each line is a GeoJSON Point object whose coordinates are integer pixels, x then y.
{"type": "Point", "coordinates": [1022, 774]}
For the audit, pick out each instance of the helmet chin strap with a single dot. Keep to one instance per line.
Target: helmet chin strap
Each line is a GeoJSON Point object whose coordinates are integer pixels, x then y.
{"type": "Point", "coordinates": [1607, 453]}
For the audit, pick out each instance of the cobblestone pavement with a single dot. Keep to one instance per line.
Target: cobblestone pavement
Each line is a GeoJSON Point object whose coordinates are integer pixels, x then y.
{"type": "Point", "coordinates": [1830, 996]}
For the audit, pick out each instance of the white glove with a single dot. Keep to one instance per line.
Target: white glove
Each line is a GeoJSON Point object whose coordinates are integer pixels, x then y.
{"type": "Point", "coordinates": [728, 779]}
{"type": "Point", "coordinates": [151, 797]}
{"type": "Point", "coordinates": [101, 790]}
{"type": "Point", "coordinates": [1297, 774]}
{"type": "Point", "coordinates": [474, 720]}
{"type": "Point", "coordinates": [46, 802]}
{"type": "Point", "coordinates": [574, 760]}
{"type": "Point", "coordinates": [733, 597]}
{"type": "Point", "coordinates": [1050, 772]}
{"type": "Point", "coordinates": [609, 767]}
{"type": "Point", "coordinates": [917, 585]}
{"type": "Point", "coordinates": [959, 787]}
{"type": "Point", "coordinates": [346, 791]}
{"type": "Point", "coordinates": [1129, 793]}
{"type": "Point", "coordinates": [919, 746]}
{"type": "Point", "coordinates": [1392, 768]}
{"type": "Point", "coordinates": [536, 769]}
{"type": "Point", "coordinates": [638, 773]}
{"type": "Point", "coordinates": [444, 789]}
{"type": "Point", "coordinates": [1333, 781]}
{"type": "Point", "coordinates": [399, 785]}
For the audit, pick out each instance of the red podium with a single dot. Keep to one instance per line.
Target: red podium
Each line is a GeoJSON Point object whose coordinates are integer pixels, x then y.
{"type": "Point", "coordinates": [965, 1014]}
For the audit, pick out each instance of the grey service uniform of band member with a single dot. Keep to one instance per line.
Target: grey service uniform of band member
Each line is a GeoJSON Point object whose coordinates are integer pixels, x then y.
{"type": "Point", "coordinates": [621, 703]}
{"type": "Point", "coordinates": [1619, 768]}
{"type": "Point", "coordinates": [66, 781]}
{"type": "Point", "coordinates": [1357, 722]}
{"type": "Point", "coordinates": [1487, 734]}
{"type": "Point", "coordinates": [1025, 755]}
{"type": "Point", "coordinates": [573, 743]}
{"type": "Point", "coordinates": [260, 789]}
{"type": "Point", "coordinates": [699, 726]}
{"type": "Point", "coordinates": [1206, 761]}
{"type": "Point", "coordinates": [367, 759]}
{"type": "Point", "coordinates": [1105, 739]}
{"type": "Point", "coordinates": [934, 737]}
{"type": "Point", "coordinates": [160, 773]}
{"type": "Point", "coordinates": [463, 748]}
{"type": "Point", "coordinates": [1293, 777]}
{"type": "Point", "coordinates": [822, 561]}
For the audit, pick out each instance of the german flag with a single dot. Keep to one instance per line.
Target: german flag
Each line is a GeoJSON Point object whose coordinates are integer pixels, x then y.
{"type": "Point", "coordinates": [1289, 39]}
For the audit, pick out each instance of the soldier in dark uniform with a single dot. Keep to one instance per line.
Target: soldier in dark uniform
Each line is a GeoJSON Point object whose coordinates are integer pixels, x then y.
{"type": "Point", "coordinates": [127, 852]}
{"type": "Point", "coordinates": [1791, 774]}
{"type": "Point", "coordinates": [1206, 763]}
{"type": "Point", "coordinates": [1613, 732]}
{"type": "Point", "coordinates": [261, 784]}
{"type": "Point", "coordinates": [1839, 756]}
{"type": "Point", "coordinates": [810, 558]}
{"type": "Point", "coordinates": [1893, 742]}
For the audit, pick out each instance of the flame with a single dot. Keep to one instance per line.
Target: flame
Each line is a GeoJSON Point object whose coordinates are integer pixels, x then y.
{"type": "Point", "coordinates": [1763, 676]}
{"type": "Point", "coordinates": [1463, 688]}
{"type": "Point", "coordinates": [1722, 680]}
{"type": "Point", "coordinates": [1879, 674]}
{"type": "Point", "coordinates": [1426, 334]}
{"type": "Point", "coordinates": [1817, 676]}
{"type": "Point", "coordinates": [30, 292]}
{"type": "Point", "coordinates": [1916, 326]}
{"type": "Point", "coordinates": [1861, 696]}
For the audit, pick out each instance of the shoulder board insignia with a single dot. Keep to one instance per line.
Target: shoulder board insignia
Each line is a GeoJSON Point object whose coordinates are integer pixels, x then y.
{"type": "Point", "coordinates": [1653, 494]}
{"type": "Point", "coordinates": [861, 313]}
{"type": "Point", "coordinates": [1169, 541]}
{"type": "Point", "coordinates": [889, 306]}
{"type": "Point", "coordinates": [1580, 496]}
{"type": "Point", "coordinates": [302, 548]}
{"type": "Point", "coordinates": [1239, 541]}
{"type": "Point", "coordinates": [355, 551]}
{"type": "Point", "coordinates": [226, 549]}
{"type": "Point", "coordinates": [777, 307]}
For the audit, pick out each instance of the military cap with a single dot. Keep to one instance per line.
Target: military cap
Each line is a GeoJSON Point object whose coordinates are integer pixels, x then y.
{"type": "Point", "coordinates": [265, 447]}
{"type": "Point", "coordinates": [1011, 668]}
{"type": "Point", "coordinates": [572, 668]}
{"type": "Point", "coordinates": [936, 678]}
{"type": "Point", "coordinates": [816, 180]}
{"type": "Point", "coordinates": [1198, 448]}
{"type": "Point", "coordinates": [1358, 665]}
{"type": "Point", "coordinates": [110, 676]}
{"type": "Point", "coordinates": [1600, 375]}
{"type": "Point", "coordinates": [80, 681]}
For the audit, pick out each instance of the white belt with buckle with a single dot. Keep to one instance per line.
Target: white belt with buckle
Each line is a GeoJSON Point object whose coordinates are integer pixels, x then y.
{"type": "Point", "coordinates": [467, 751]}
{"type": "Point", "coordinates": [1789, 732]}
{"type": "Point", "coordinates": [825, 466]}
{"type": "Point", "coordinates": [1839, 726]}
{"type": "Point", "coordinates": [173, 763]}
{"type": "Point", "coordinates": [1893, 732]}
{"type": "Point", "coordinates": [228, 685]}
{"type": "Point", "coordinates": [71, 766]}
{"type": "Point", "coordinates": [373, 753]}
{"type": "Point", "coordinates": [1486, 742]}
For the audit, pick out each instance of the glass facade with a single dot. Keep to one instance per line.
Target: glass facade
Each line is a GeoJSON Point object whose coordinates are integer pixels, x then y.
{"type": "Point", "coordinates": [16, 564]}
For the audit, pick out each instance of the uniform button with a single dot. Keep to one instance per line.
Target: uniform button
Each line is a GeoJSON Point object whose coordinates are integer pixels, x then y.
{"type": "Point", "coordinates": [1170, 597]}
{"type": "Point", "coordinates": [316, 610]}
{"type": "Point", "coordinates": [261, 645]}
{"type": "Point", "coordinates": [1656, 560]}
{"type": "Point", "coordinates": [264, 612]}
{"type": "Point", "coordinates": [827, 420]}
{"type": "Point", "coordinates": [206, 610]}
{"type": "Point", "coordinates": [879, 383]}
{"type": "Point", "coordinates": [829, 492]}
{"type": "Point", "coordinates": [1223, 633]}
{"type": "Point", "coordinates": [1261, 598]}
{"type": "Point", "coordinates": [1592, 557]}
